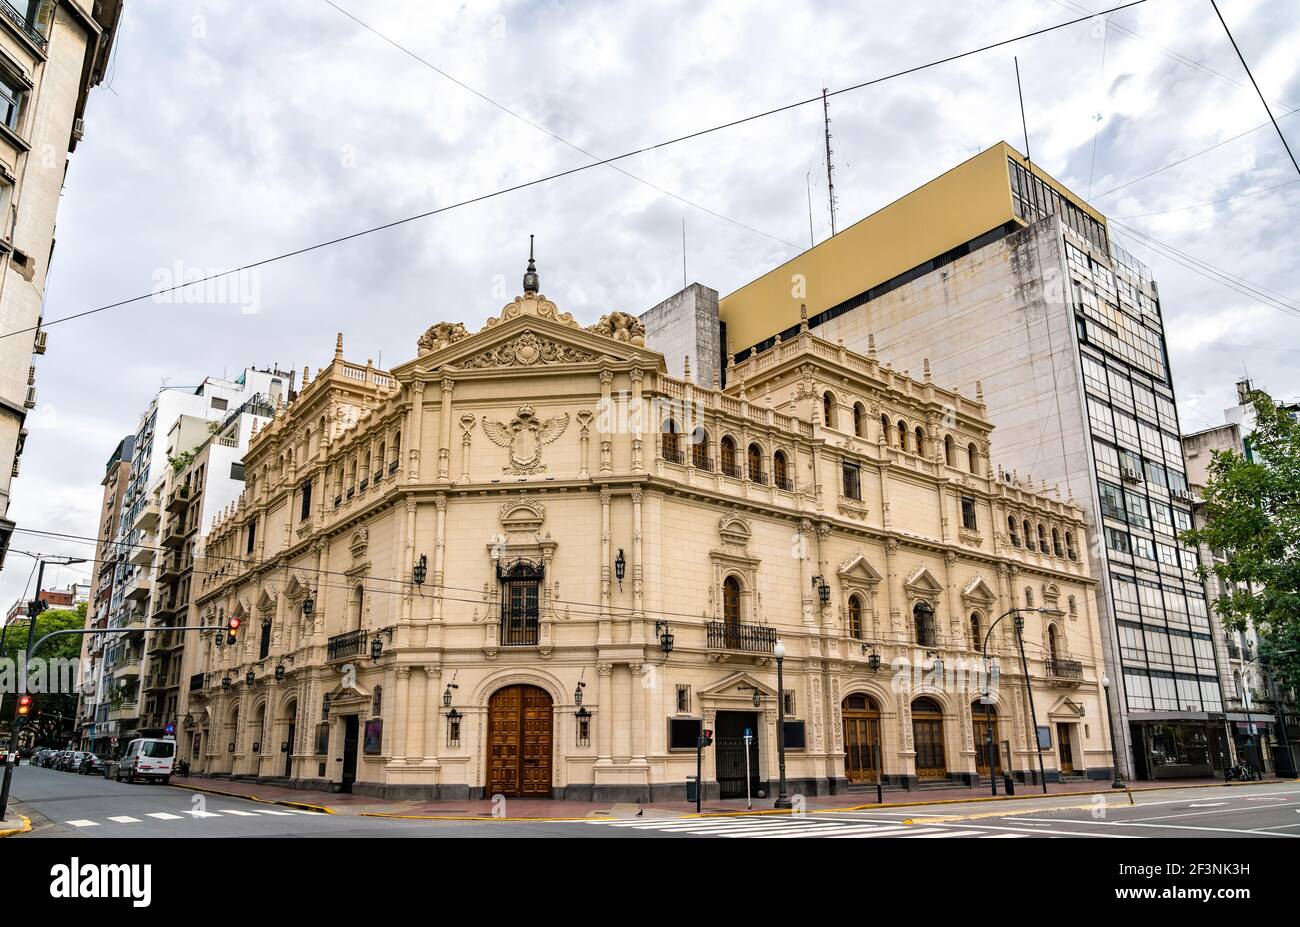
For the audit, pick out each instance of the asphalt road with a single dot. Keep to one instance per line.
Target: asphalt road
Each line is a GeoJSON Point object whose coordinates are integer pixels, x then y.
{"type": "Point", "coordinates": [66, 805]}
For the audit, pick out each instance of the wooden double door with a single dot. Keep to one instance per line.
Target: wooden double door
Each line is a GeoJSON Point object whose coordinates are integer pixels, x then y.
{"type": "Point", "coordinates": [519, 742]}
{"type": "Point", "coordinates": [983, 727]}
{"type": "Point", "coordinates": [861, 739]}
{"type": "Point", "coordinates": [927, 739]}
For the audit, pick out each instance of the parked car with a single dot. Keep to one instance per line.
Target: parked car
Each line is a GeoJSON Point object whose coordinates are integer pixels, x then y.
{"type": "Point", "coordinates": [74, 760]}
{"type": "Point", "coordinates": [56, 758]}
{"type": "Point", "coordinates": [38, 756]}
{"type": "Point", "coordinates": [90, 765]}
{"type": "Point", "coordinates": [146, 758]}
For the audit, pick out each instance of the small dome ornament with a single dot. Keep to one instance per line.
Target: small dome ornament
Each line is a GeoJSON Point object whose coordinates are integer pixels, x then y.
{"type": "Point", "coordinates": [530, 276]}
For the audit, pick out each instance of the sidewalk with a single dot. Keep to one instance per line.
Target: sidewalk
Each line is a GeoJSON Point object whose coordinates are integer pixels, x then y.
{"type": "Point", "coordinates": [539, 809]}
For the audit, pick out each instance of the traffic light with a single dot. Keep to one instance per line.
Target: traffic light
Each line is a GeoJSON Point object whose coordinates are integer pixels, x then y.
{"type": "Point", "coordinates": [706, 737]}
{"type": "Point", "coordinates": [232, 630]}
{"type": "Point", "coordinates": [24, 705]}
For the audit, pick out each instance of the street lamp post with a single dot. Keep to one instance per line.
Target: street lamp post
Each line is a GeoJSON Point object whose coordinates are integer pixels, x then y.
{"type": "Point", "coordinates": [1024, 669]}
{"type": "Point", "coordinates": [1118, 782]}
{"type": "Point", "coordinates": [778, 651]}
{"type": "Point", "coordinates": [14, 726]}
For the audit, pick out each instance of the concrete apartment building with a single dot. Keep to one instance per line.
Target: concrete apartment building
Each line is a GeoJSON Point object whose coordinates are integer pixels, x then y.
{"type": "Point", "coordinates": [168, 437]}
{"type": "Point", "coordinates": [107, 556]}
{"type": "Point", "coordinates": [1007, 285]}
{"type": "Point", "coordinates": [1270, 739]}
{"type": "Point", "coordinates": [52, 52]}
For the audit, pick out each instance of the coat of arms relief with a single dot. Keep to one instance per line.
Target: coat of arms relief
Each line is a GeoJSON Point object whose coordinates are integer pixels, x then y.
{"type": "Point", "coordinates": [525, 435]}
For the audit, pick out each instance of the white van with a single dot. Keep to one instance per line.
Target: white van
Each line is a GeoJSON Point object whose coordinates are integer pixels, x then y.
{"type": "Point", "coordinates": [146, 758]}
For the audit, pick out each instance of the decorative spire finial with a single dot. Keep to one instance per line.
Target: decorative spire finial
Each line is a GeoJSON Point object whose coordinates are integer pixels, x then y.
{"type": "Point", "coordinates": [338, 347]}
{"type": "Point", "coordinates": [530, 275]}
{"type": "Point", "coordinates": [803, 317]}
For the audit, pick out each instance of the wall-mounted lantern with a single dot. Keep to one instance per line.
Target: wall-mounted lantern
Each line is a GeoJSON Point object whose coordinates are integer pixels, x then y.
{"type": "Point", "coordinates": [308, 606]}
{"type": "Point", "coordinates": [873, 659]}
{"type": "Point", "coordinates": [665, 635]}
{"type": "Point", "coordinates": [250, 678]}
{"type": "Point", "coordinates": [446, 695]}
{"type": "Point", "coordinates": [620, 567]}
{"type": "Point", "coordinates": [225, 683]}
{"type": "Point", "coordinates": [421, 570]}
{"type": "Point", "coordinates": [577, 692]}
{"type": "Point", "coordinates": [279, 672]}
{"type": "Point", "coordinates": [376, 645]}
{"type": "Point", "coordinates": [823, 589]}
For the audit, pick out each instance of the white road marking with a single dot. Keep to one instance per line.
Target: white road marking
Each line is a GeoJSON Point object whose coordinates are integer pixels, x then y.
{"type": "Point", "coordinates": [267, 811]}
{"type": "Point", "coordinates": [125, 819]}
{"type": "Point", "coordinates": [82, 823]}
{"type": "Point", "coordinates": [164, 816]}
{"type": "Point", "coordinates": [941, 834]}
{"type": "Point", "coordinates": [242, 814]}
{"type": "Point", "coordinates": [1224, 830]}
{"type": "Point", "coordinates": [196, 813]}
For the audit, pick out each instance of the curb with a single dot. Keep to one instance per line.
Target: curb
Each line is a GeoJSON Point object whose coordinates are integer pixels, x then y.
{"type": "Point", "coordinates": [470, 820]}
{"type": "Point", "coordinates": [25, 829]}
{"type": "Point", "coordinates": [319, 809]}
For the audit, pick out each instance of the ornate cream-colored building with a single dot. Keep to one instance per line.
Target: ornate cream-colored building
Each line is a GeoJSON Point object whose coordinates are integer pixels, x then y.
{"type": "Point", "coordinates": [530, 562]}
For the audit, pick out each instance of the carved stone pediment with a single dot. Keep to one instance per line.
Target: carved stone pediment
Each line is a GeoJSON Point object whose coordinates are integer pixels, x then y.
{"type": "Point", "coordinates": [978, 593]}
{"type": "Point", "coordinates": [735, 533]}
{"type": "Point", "coordinates": [532, 304]}
{"type": "Point", "coordinates": [858, 570]}
{"type": "Point", "coordinates": [527, 349]}
{"type": "Point", "coordinates": [921, 584]}
{"type": "Point", "coordinates": [620, 326]}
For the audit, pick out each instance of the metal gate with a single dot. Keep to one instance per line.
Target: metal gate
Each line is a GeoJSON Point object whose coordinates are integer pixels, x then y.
{"type": "Point", "coordinates": [729, 744]}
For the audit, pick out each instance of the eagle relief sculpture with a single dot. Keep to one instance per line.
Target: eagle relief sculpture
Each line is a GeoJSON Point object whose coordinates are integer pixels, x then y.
{"type": "Point", "coordinates": [524, 435]}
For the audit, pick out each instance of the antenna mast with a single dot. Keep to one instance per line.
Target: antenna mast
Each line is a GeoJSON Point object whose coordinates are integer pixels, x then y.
{"type": "Point", "coordinates": [830, 166]}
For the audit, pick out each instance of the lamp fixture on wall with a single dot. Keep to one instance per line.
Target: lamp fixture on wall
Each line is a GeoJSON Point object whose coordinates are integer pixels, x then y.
{"type": "Point", "coordinates": [446, 695]}
{"type": "Point", "coordinates": [665, 635]}
{"type": "Point", "coordinates": [421, 570]}
{"type": "Point", "coordinates": [873, 660]}
{"type": "Point", "coordinates": [620, 567]}
{"type": "Point", "coordinates": [823, 589]}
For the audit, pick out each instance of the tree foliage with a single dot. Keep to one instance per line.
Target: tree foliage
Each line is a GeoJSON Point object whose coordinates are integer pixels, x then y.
{"type": "Point", "coordinates": [1252, 515]}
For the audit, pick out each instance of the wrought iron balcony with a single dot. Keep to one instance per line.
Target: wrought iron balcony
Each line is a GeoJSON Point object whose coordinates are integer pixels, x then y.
{"type": "Point", "coordinates": [1065, 669]}
{"type": "Point", "coordinates": [347, 645]}
{"type": "Point", "coordinates": [730, 468]}
{"type": "Point", "coordinates": [15, 16]}
{"type": "Point", "coordinates": [750, 638]}
{"type": "Point", "coordinates": [673, 454]}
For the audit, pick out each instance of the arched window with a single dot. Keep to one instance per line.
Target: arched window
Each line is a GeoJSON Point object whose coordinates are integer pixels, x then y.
{"type": "Point", "coordinates": [670, 441]}
{"type": "Point", "coordinates": [380, 458]}
{"type": "Point", "coordinates": [731, 603]}
{"type": "Point", "coordinates": [396, 452]}
{"type": "Point", "coordinates": [976, 638]}
{"type": "Point", "coordinates": [949, 451]}
{"type": "Point", "coordinates": [700, 449]}
{"type": "Point", "coordinates": [1029, 535]}
{"type": "Point", "coordinates": [356, 607]}
{"type": "Point", "coordinates": [828, 408]}
{"type": "Point", "coordinates": [727, 449]}
{"type": "Point", "coordinates": [855, 617]}
{"type": "Point", "coordinates": [1042, 538]}
{"type": "Point", "coordinates": [1056, 543]}
{"type": "Point", "coordinates": [1053, 642]}
{"type": "Point", "coordinates": [923, 619]}
{"type": "Point", "coordinates": [754, 464]}
{"type": "Point", "coordinates": [1029, 597]}
{"type": "Point", "coordinates": [521, 594]}
{"type": "Point", "coordinates": [1070, 550]}
{"type": "Point", "coordinates": [902, 435]}
{"type": "Point", "coordinates": [920, 441]}
{"type": "Point", "coordinates": [858, 422]}
{"type": "Point", "coordinates": [884, 427]}
{"type": "Point", "coordinates": [1074, 608]}
{"type": "Point", "coordinates": [973, 459]}
{"type": "Point", "coordinates": [1013, 531]}
{"type": "Point", "coordinates": [781, 472]}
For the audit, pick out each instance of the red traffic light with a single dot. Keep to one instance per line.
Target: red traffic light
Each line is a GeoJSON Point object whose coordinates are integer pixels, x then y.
{"type": "Point", "coordinates": [232, 630]}
{"type": "Point", "coordinates": [24, 704]}
{"type": "Point", "coordinates": [234, 624]}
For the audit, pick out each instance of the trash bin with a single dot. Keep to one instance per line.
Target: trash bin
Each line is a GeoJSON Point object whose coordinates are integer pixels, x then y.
{"type": "Point", "coordinates": [1009, 784]}
{"type": "Point", "coordinates": [692, 786]}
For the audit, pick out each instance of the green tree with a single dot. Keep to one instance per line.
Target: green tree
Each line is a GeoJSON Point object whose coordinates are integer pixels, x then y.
{"type": "Point", "coordinates": [1252, 514]}
{"type": "Point", "coordinates": [53, 714]}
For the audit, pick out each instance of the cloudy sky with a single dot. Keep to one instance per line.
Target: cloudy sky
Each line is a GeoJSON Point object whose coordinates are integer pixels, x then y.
{"type": "Point", "coordinates": [229, 131]}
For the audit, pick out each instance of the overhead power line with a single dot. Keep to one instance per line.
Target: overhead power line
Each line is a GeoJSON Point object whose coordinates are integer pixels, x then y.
{"type": "Point", "coordinates": [541, 128]}
{"type": "Point", "coordinates": [699, 133]}
{"type": "Point", "coordinates": [1259, 92]}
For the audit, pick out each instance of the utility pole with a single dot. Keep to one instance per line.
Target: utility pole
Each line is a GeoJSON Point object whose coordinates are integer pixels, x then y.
{"type": "Point", "coordinates": [34, 609]}
{"type": "Point", "coordinates": [830, 167]}
{"type": "Point", "coordinates": [812, 242]}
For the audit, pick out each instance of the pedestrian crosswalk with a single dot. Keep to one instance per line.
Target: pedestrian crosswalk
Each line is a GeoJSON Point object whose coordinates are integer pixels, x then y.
{"type": "Point", "coordinates": [195, 814]}
{"type": "Point", "coordinates": [788, 828]}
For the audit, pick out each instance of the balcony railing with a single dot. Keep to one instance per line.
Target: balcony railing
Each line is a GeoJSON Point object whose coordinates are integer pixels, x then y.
{"type": "Point", "coordinates": [731, 469]}
{"type": "Point", "coordinates": [750, 638]}
{"type": "Point", "coordinates": [15, 16]}
{"type": "Point", "coordinates": [343, 646]}
{"type": "Point", "coordinates": [1065, 669]}
{"type": "Point", "coordinates": [673, 454]}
